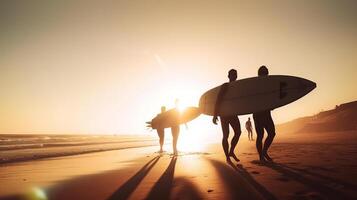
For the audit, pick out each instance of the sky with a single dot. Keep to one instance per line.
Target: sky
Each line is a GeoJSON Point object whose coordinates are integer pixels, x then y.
{"type": "Point", "coordinates": [106, 67]}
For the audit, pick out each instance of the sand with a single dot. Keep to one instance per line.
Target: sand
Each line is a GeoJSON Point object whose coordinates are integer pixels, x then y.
{"type": "Point", "coordinates": [306, 166]}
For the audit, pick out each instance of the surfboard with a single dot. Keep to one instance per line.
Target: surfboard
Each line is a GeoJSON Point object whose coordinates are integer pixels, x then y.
{"type": "Point", "coordinates": [256, 94]}
{"type": "Point", "coordinates": [174, 117]}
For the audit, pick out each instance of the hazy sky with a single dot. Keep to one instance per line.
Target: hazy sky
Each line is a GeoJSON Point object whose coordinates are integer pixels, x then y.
{"type": "Point", "coordinates": [107, 67]}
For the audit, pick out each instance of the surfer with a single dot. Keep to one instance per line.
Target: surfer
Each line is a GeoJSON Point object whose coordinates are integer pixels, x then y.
{"type": "Point", "coordinates": [263, 120]}
{"type": "Point", "coordinates": [161, 132]}
{"type": "Point", "coordinates": [248, 126]}
{"type": "Point", "coordinates": [228, 120]}
{"type": "Point", "coordinates": [175, 130]}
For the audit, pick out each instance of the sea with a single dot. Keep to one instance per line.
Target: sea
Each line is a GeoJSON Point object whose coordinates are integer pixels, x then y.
{"type": "Point", "coordinates": [23, 147]}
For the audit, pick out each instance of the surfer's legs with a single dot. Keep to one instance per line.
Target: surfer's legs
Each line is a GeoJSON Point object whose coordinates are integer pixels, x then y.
{"type": "Point", "coordinates": [175, 130]}
{"type": "Point", "coordinates": [270, 128]}
{"type": "Point", "coordinates": [260, 133]}
{"type": "Point", "coordinates": [249, 134]}
{"type": "Point", "coordinates": [161, 134]}
{"type": "Point", "coordinates": [225, 131]}
{"type": "Point", "coordinates": [234, 122]}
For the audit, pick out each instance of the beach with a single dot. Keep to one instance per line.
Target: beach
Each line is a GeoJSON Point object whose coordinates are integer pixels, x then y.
{"type": "Point", "coordinates": [306, 166]}
{"type": "Point", "coordinates": [117, 100]}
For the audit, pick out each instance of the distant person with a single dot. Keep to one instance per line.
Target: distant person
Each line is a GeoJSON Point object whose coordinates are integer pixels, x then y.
{"type": "Point", "coordinates": [248, 126]}
{"type": "Point", "coordinates": [263, 120]}
{"type": "Point", "coordinates": [228, 120]}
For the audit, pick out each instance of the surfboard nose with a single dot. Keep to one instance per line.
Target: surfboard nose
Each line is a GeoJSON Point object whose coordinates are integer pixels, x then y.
{"type": "Point", "coordinates": [314, 85]}
{"type": "Point", "coordinates": [307, 84]}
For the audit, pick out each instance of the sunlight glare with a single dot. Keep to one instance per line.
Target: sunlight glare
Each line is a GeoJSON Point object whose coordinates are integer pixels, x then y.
{"type": "Point", "coordinates": [182, 94]}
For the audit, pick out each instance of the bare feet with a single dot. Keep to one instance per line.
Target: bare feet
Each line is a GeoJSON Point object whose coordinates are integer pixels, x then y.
{"type": "Point", "coordinates": [262, 159]}
{"type": "Point", "coordinates": [175, 153]}
{"type": "Point", "coordinates": [228, 160]}
{"type": "Point", "coordinates": [234, 156]}
{"type": "Point", "coordinates": [266, 156]}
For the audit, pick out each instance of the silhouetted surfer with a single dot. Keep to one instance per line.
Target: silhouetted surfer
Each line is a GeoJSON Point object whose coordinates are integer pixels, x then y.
{"type": "Point", "coordinates": [263, 120]}
{"type": "Point", "coordinates": [228, 120]}
{"type": "Point", "coordinates": [161, 131]}
{"type": "Point", "coordinates": [175, 130]}
{"type": "Point", "coordinates": [248, 126]}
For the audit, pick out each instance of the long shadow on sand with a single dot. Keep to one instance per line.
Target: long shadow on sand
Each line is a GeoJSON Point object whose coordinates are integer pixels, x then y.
{"type": "Point", "coordinates": [345, 184]}
{"type": "Point", "coordinates": [185, 189]}
{"type": "Point", "coordinates": [162, 188]}
{"type": "Point", "coordinates": [260, 188]}
{"type": "Point", "coordinates": [316, 185]}
{"type": "Point", "coordinates": [129, 186]}
{"type": "Point", "coordinates": [240, 185]}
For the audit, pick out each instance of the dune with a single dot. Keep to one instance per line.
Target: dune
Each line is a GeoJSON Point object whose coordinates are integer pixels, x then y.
{"type": "Point", "coordinates": [342, 118]}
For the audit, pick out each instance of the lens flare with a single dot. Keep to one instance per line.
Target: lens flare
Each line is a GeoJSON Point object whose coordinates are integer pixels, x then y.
{"type": "Point", "coordinates": [36, 194]}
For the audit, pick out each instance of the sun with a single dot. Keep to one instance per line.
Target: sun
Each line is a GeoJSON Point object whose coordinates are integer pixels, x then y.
{"type": "Point", "coordinates": [190, 141]}
{"type": "Point", "coordinates": [181, 94]}
{"type": "Point", "coordinates": [179, 106]}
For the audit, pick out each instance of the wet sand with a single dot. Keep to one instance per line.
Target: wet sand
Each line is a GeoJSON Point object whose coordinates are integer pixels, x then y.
{"type": "Point", "coordinates": [306, 166]}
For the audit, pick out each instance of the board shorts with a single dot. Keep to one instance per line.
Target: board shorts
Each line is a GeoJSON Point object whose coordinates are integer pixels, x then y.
{"type": "Point", "coordinates": [263, 120]}
{"type": "Point", "coordinates": [230, 120]}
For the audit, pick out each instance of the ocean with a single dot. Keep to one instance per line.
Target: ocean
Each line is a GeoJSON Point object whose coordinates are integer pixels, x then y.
{"type": "Point", "coordinates": [22, 147]}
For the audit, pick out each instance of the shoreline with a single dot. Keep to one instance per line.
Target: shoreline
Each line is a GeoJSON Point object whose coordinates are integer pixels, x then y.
{"type": "Point", "coordinates": [64, 154]}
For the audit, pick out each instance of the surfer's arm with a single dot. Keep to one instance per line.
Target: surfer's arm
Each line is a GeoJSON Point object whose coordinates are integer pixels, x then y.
{"type": "Point", "coordinates": [218, 101]}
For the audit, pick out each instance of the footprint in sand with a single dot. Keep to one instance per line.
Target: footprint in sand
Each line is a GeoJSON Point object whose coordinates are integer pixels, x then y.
{"type": "Point", "coordinates": [292, 163]}
{"type": "Point", "coordinates": [335, 186]}
{"type": "Point", "coordinates": [309, 195]}
{"type": "Point", "coordinates": [283, 179]}
{"type": "Point", "coordinates": [257, 162]}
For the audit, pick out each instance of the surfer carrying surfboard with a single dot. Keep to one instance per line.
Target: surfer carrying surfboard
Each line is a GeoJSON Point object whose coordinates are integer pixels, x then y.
{"type": "Point", "coordinates": [173, 116]}
{"type": "Point", "coordinates": [258, 95]}
{"type": "Point", "coordinates": [161, 132]}
{"type": "Point", "coordinates": [263, 120]}
{"type": "Point", "coordinates": [228, 120]}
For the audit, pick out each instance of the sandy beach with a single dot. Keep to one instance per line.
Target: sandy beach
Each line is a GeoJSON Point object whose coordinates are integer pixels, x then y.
{"type": "Point", "coordinates": [306, 166]}
{"type": "Point", "coordinates": [117, 100]}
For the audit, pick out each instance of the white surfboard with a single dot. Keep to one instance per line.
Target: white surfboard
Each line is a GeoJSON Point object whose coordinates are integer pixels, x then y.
{"type": "Point", "coordinates": [174, 117]}
{"type": "Point", "coordinates": [256, 94]}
